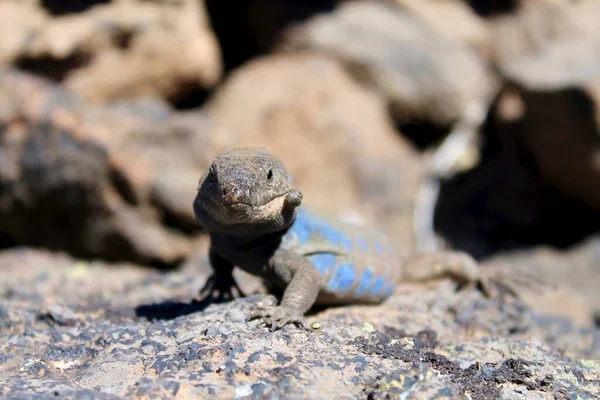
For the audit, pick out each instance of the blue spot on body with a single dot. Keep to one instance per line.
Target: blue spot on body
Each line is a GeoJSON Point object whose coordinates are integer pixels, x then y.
{"type": "Point", "coordinates": [307, 226]}
{"type": "Point", "coordinates": [342, 278]}
{"type": "Point", "coordinates": [362, 243]}
{"type": "Point", "coordinates": [378, 286]}
{"type": "Point", "coordinates": [302, 228]}
{"type": "Point", "coordinates": [389, 290]}
{"type": "Point", "coordinates": [323, 261]}
{"type": "Point", "coordinates": [378, 247]}
{"type": "Point", "coordinates": [333, 236]}
{"type": "Point", "coordinates": [346, 243]}
{"type": "Point", "coordinates": [364, 282]}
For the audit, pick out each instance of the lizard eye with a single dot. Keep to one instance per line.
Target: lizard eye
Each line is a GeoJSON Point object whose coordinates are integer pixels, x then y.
{"type": "Point", "coordinates": [270, 175]}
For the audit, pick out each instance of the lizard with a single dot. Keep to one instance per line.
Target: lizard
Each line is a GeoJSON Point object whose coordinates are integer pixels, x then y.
{"type": "Point", "coordinates": [255, 220]}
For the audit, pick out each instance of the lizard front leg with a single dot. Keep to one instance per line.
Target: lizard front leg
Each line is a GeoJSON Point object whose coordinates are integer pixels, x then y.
{"type": "Point", "coordinates": [220, 284]}
{"type": "Point", "coordinates": [303, 282]}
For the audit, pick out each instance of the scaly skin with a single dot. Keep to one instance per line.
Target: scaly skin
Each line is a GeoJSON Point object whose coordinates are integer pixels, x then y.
{"type": "Point", "coordinates": [249, 207]}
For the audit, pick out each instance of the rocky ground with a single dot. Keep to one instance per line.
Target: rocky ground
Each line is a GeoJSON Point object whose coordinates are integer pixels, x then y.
{"type": "Point", "coordinates": [463, 124]}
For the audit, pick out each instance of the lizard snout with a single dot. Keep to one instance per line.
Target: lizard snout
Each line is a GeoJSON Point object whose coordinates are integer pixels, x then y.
{"type": "Point", "coordinates": [235, 194]}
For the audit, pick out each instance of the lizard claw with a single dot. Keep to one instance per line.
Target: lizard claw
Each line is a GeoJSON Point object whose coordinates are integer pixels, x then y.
{"type": "Point", "coordinates": [278, 316]}
{"type": "Point", "coordinates": [220, 289]}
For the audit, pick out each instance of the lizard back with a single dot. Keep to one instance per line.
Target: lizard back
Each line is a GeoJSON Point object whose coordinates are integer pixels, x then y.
{"type": "Point", "coordinates": [358, 263]}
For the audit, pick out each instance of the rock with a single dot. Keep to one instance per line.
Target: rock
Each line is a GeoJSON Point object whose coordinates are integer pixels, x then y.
{"type": "Point", "coordinates": [121, 49]}
{"type": "Point", "coordinates": [535, 26]}
{"type": "Point", "coordinates": [252, 27]}
{"type": "Point", "coordinates": [556, 79]}
{"type": "Point", "coordinates": [466, 27]}
{"type": "Point", "coordinates": [134, 204]}
{"type": "Point", "coordinates": [426, 77]}
{"type": "Point", "coordinates": [538, 181]}
{"type": "Point", "coordinates": [575, 268]}
{"type": "Point", "coordinates": [138, 335]}
{"type": "Point", "coordinates": [334, 136]}
{"type": "Point", "coordinates": [90, 180]}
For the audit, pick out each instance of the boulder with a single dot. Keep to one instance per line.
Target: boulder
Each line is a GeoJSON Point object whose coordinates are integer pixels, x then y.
{"type": "Point", "coordinates": [120, 49]}
{"type": "Point", "coordinates": [90, 180]}
{"type": "Point", "coordinates": [426, 77]}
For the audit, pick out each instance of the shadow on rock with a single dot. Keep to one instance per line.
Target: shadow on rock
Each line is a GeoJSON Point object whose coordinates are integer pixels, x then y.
{"type": "Point", "coordinates": [168, 310]}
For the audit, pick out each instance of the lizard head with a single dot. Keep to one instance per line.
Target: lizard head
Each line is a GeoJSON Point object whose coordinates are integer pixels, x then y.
{"type": "Point", "coordinates": [246, 190]}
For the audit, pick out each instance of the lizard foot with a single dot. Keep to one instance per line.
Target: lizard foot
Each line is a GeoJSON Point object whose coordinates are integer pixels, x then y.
{"type": "Point", "coordinates": [220, 289]}
{"type": "Point", "coordinates": [278, 316]}
{"type": "Point", "coordinates": [463, 269]}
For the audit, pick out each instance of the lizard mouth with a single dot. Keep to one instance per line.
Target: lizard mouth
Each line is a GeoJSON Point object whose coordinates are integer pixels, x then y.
{"type": "Point", "coordinates": [243, 205]}
{"type": "Point", "coordinates": [274, 201]}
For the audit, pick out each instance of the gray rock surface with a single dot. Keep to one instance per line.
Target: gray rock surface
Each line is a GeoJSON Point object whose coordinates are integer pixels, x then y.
{"type": "Point", "coordinates": [76, 330]}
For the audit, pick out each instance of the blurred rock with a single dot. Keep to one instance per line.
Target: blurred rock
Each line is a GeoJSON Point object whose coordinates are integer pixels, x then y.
{"type": "Point", "coordinates": [533, 27]}
{"type": "Point", "coordinates": [507, 201]}
{"type": "Point", "coordinates": [90, 180]}
{"type": "Point", "coordinates": [575, 272]}
{"type": "Point", "coordinates": [427, 77]}
{"type": "Point", "coordinates": [466, 26]}
{"type": "Point", "coordinates": [120, 49]}
{"type": "Point", "coordinates": [334, 136]}
{"type": "Point", "coordinates": [134, 169]}
{"type": "Point", "coordinates": [538, 181]}
{"type": "Point", "coordinates": [556, 76]}
{"type": "Point", "coordinates": [249, 28]}
{"type": "Point", "coordinates": [136, 333]}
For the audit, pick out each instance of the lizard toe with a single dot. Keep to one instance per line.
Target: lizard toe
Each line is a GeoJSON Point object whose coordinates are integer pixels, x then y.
{"type": "Point", "coordinates": [278, 316]}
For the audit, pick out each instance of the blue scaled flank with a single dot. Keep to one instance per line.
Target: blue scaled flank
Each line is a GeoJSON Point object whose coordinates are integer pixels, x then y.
{"type": "Point", "coordinates": [342, 274]}
{"type": "Point", "coordinates": [323, 261]}
{"type": "Point", "coordinates": [307, 228]}
{"type": "Point", "coordinates": [377, 288]}
{"type": "Point", "coordinates": [342, 279]}
{"type": "Point", "coordinates": [364, 282]}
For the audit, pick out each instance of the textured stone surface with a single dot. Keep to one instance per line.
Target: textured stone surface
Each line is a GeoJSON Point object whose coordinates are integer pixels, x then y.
{"type": "Point", "coordinates": [78, 329]}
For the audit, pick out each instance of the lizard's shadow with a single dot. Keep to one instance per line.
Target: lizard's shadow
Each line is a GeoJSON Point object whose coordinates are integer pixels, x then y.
{"type": "Point", "coordinates": [169, 310]}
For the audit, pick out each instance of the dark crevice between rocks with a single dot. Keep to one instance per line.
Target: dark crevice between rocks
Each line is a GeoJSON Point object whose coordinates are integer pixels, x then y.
{"type": "Point", "coordinates": [56, 69]}
{"type": "Point", "coordinates": [423, 134]}
{"type": "Point", "coordinates": [489, 8]}
{"type": "Point", "coordinates": [7, 242]}
{"type": "Point", "coordinates": [190, 96]}
{"type": "Point", "coordinates": [482, 213]}
{"type": "Point", "coordinates": [123, 38]}
{"type": "Point", "coordinates": [480, 380]}
{"type": "Point", "coordinates": [247, 28]}
{"type": "Point", "coordinates": [506, 203]}
{"type": "Point", "coordinates": [123, 186]}
{"type": "Point", "coordinates": [179, 223]}
{"type": "Point", "coordinates": [65, 7]}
